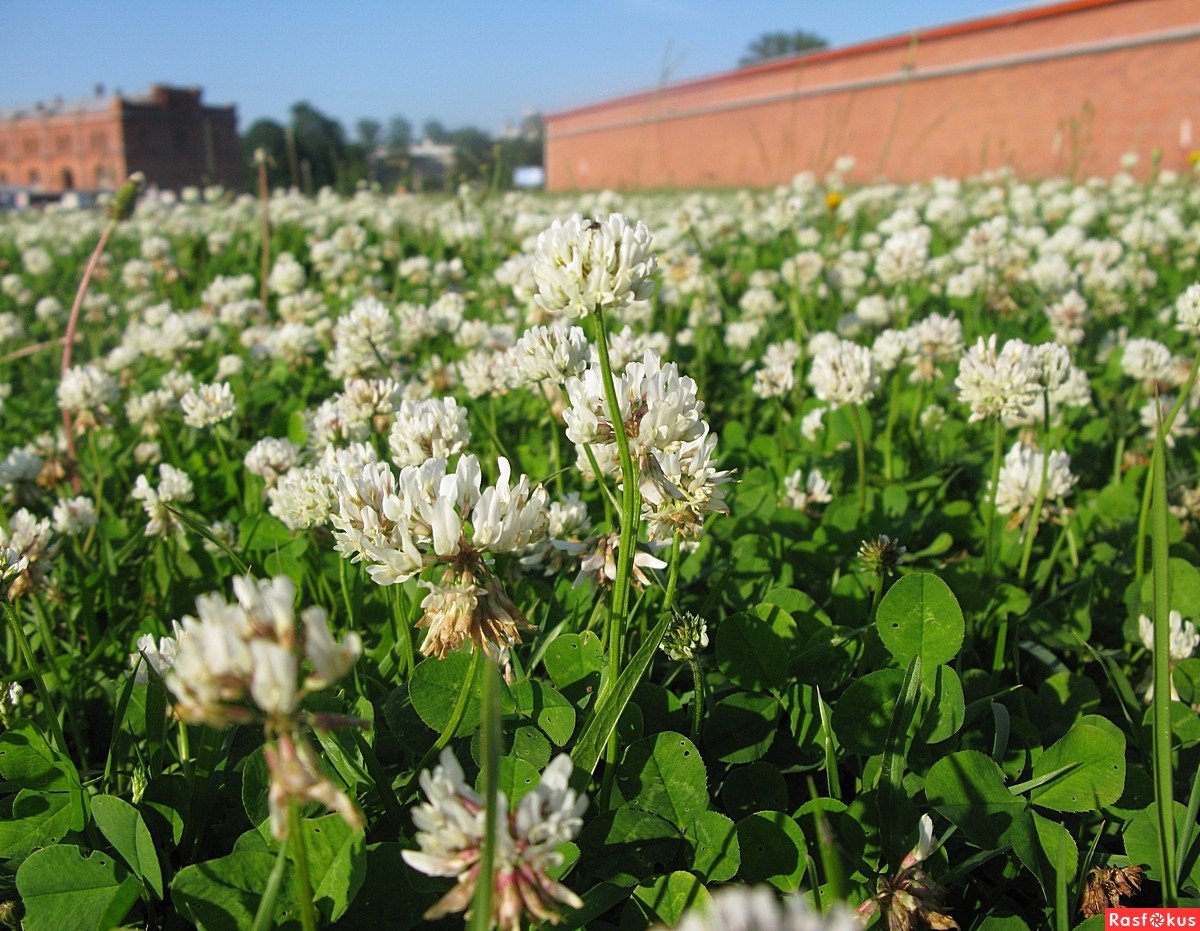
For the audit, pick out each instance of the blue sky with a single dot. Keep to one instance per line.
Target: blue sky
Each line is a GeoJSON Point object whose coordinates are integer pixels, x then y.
{"type": "Point", "coordinates": [461, 61]}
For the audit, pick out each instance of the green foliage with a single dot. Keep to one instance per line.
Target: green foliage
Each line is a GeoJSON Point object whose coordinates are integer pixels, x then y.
{"type": "Point", "coordinates": [838, 699]}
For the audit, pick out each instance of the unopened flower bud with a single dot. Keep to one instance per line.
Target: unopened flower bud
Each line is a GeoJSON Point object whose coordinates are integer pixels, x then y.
{"type": "Point", "coordinates": [121, 206]}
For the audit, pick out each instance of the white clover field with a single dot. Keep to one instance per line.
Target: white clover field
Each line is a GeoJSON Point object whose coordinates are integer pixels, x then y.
{"type": "Point", "coordinates": [816, 558]}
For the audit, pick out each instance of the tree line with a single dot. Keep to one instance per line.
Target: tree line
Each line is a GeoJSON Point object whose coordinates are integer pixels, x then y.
{"type": "Point", "coordinates": [313, 150]}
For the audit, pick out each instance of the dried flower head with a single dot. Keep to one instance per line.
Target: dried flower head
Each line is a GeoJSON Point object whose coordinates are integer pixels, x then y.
{"type": "Point", "coordinates": [1109, 887]}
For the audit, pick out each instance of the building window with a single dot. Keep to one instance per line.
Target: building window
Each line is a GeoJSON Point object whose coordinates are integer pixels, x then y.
{"type": "Point", "coordinates": [103, 176]}
{"type": "Point", "coordinates": [68, 180]}
{"type": "Point", "coordinates": [3, 177]}
{"type": "Point", "coordinates": [99, 143]}
{"type": "Point", "coordinates": [64, 144]}
{"type": "Point", "coordinates": [34, 178]}
{"type": "Point", "coordinates": [31, 147]}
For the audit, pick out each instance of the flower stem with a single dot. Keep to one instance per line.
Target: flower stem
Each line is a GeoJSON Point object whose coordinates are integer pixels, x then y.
{"type": "Point", "coordinates": [69, 344]}
{"type": "Point", "coordinates": [628, 516]}
{"type": "Point", "coordinates": [38, 681]}
{"type": "Point", "coordinates": [672, 574]}
{"type": "Point", "coordinates": [460, 706]}
{"type": "Point", "coordinates": [860, 452]}
{"type": "Point", "coordinates": [1040, 499]}
{"type": "Point", "coordinates": [1164, 792]}
{"type": "Point", "coordinates": [697, 699]}
{"type": "Point", "coordinates": [264, 917]}
{"type": "Point", "coordinates": [989, 541]}
{"type": "Point", "coordinates": [481, 908]}
{"type": "Point", "coordinates": [1144, 517]}
{"type": "Point", "coordinates": [889, 434]}
{"type": "Point", "coordinates": [308, 912]}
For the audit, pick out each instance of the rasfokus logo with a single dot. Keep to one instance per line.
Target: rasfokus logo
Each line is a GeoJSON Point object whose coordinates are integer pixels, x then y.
{"type": "Point", "coordinates": [1152, 918]}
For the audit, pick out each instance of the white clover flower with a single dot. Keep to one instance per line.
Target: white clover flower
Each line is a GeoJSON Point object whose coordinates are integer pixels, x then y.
{"type": "Point", "coordinates": [757, 908]}
{"type": "Point", "coordinates": [581, 266]}
{"type": "Point", "coordinates": [363, 341]}
{"type": "Point", "coordinates": [844, 373]}
{"type": "Point", "coordinates": [659, 410]}
{"type": "Point", "coordinates": [551, 353]}
{"type": "Point", "coordinates": [1187, 311]}
{"type": "Point", "coordinates": [998, 383]}
{"type": "Point", "coordinates": [28, 548]}
{"type": "Point", "coordinates": [432, 429]}
{"type": "Point", "coordinates": [174, 487]}
{"type": "Point", "coordinates": [1183, 636]}
{"type": "Point", "coordinates": [158, 654]}
{"type": "Point", "coordinates": [1021, 477]}
{"type": "Point", "coordinates": [271, 457]}
{"type": "Point", "coordinates": [401, 524]}
{"type": "Point", "coordinates": [598, 560]}
{"type": "Point", "coordinates": [287, 275]}
{"type": "Point", "coordinates": [904, 256]}
{"type": "Point", "coordinates": [1147, 360]}
{"type": "Point", "coordinates": [803, 493]}
{"type": "Point", "coordinates": [233, 661]}
{"type": "Point", "coordinates": [812, 423]}
{"type": "Point", "coordinates": [87, 391]}
{"type": "Point", "coordinates": [680, 489]}
{"type": "Point", "coordinates": [933, 341]}
{"type": "Point", "coordinates": [1067, 318]}
{"type": "Point", "coordinates": [890, 348]}
{"type": "Point", "coordinates": [777, 376]}
{"type": "Point", "coordinates": [302, 498]}
{"type": "Point", "coordinates": [73, 516]}
{"type": "Point", "coordinates": [450, 832]}
{"type": "Point", "coordinates": [208, 405]}
{"type": "Point", "coordinates": [237, 662]}
{"type": "Point", "coordinates": [933, 419]}
{"type": "Point", "coordinates": [1180, 429]}
{"type": "Point", "coordinates": [19, 470]}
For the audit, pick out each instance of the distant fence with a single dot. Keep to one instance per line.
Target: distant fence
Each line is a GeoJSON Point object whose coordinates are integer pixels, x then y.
{"type": "Point", "coordinates": [1063, 89]}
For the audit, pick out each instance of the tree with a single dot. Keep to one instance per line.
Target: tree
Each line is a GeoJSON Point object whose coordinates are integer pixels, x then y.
{"type": "Point", "coordinates": [399, 135]}
{"type": "Point", "coordinates": [368, 133]}
{"type": "Point", "coordinates": [772, 45]}
{"type": "Point", "coordinates": [271, 137]}
{"type": "Point", "coordinates": [320, 143]}
{"type": "Point", "coordinates": [435, 132]}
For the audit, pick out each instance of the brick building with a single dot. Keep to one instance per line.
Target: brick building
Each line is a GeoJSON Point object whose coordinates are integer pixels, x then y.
{"type": "Point", "coordinates": [1060, 89]}
{"type": "Point", "coordinates": [95, 143]}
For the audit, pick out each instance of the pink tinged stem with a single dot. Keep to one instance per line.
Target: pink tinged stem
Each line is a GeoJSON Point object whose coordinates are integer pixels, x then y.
{"type": "Point", "coordinates": [69, 343]}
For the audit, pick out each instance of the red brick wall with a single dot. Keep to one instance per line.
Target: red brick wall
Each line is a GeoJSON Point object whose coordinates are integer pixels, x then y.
{"type": "Point", "coordinates": [65, 150]}
{"type": "Point", "coordinates": [1061, 89]}
{"type": "Point", "coordinates": [170, 136]}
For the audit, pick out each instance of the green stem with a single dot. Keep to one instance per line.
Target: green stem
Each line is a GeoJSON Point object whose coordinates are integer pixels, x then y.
{"type": "Point", "coordinates": [39, 682]}
{"type": "Point", "coordinates": [697, 699]}
{"type": "Point", "coordinates": [860, 453]}
{"type": "Point", "coordinates": [672, 573]}
{"type": "Point", "coordinates": [555, 444]}
{"type": "Point", "coordinates": [460, 706]}
{"type": "Point", "coordinates": [264, 917]}
{"type": "Point", "coordinates": [1144, 516]}
{"type": "Point", "coordinates": [629, 492]}
{"type": "Point", "coordinates": [989, 542]}
{"type": "Point", "coordinates": [308, 912]}
{"type": "Point", "coordinates": [893, 417]}
{"type": "Point", "coordinates": [481, 908]}
{"type": "Point", "coordinates": [1164, 791]}
{"type": "Point", "coordinates": [1040, 500]}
